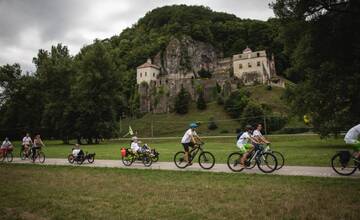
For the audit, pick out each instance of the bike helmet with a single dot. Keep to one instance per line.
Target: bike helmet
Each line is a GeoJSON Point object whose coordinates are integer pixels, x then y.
{"type": "Point", "coordinates": [193, 125]}
{"type": "Point", "coordinates": [248, 127]}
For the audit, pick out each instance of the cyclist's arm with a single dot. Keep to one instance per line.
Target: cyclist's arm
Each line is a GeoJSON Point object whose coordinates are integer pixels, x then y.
{"type": "Point", "coordinates": [254, 140]}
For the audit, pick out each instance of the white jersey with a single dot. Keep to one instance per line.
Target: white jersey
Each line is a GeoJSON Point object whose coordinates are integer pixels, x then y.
{"type": "Point", "coordinates": [187, 136]}
{"type": "Point", "coordinates": [26, 140]}
{"type": "Point", "coordinates": [135, 147]}
{"type": "Point", "coordinates": [243, 139]}
{"type": "Point", "coordinates": [353, 133]}
{"type": "Point", "coordinates": [75, 152]}
{"type": "Point", "coordinates": [6, 144]}
{"type": "Point", "coordinates": [257, 133]}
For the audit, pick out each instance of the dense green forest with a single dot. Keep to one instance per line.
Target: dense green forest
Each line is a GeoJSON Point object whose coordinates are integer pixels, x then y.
{"type": "Point", "coordinates": [86, 94]}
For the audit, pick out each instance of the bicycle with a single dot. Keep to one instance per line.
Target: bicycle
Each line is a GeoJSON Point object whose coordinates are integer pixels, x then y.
{"type": "Point", "coordinates": [206, 159]}
{"type": "Point", "coordinates": [128, 157]}
{"type": "Point", "coordinates": [6, 153]}
{"type": "Point", "coordinates": [265, 161]}
{"type": "Point", "coordinates": [80, 159]}
{"type": "Point", "coordinates": [37, 155]}
{"type": "Point", "coordinates": [279, 157]}
{"type": "Point", "coordinates": [25, 153]}
{"type": "Point", "coordinates": [345, 163]}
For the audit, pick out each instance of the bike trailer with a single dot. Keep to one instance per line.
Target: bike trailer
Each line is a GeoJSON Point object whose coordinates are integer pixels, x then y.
{"type": "Point", "coordinates": [123, 152]}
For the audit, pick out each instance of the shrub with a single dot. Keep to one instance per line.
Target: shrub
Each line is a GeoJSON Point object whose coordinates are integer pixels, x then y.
{"type": "Point", "coordinates": [212, 124]}
{"type": "Point", "coordinates": [204, 73]}
{"type": "Point", "coordinates": [200, 103]}
{"type": "Point", "coordinates": [275, 123]}
{"type": "Point", "coordinates": [182, 102]}
{"type": "Point", "coordinates": [252, 114]}
{"type": "Point", "coordinates": [220, 100]}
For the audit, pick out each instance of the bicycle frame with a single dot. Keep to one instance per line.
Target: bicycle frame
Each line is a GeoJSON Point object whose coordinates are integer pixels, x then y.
{"type": "Point", "coordinates": [195, 151]}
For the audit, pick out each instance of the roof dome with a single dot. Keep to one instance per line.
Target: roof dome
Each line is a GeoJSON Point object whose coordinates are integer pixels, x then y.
{"type": "Point", "coordinates": [247, 50]}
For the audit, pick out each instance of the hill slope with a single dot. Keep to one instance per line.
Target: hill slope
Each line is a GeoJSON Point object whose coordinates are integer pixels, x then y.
{"type": "Point", "coordinates": [173, 124]}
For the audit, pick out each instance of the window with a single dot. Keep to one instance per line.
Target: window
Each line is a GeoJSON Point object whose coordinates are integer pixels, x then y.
{"type": "Point", "coordinates": [258, 63]}
{"type": "Point", "coordinates": [258, 54]}
{"type": "Point", "coordinates": [145, 74]}
{"type": "Point", "coordinates": [140, 75]}
{"type": "Point", "coordinates": [240, 66]}
{"type": "Point", "coordinates": [249, 64]}
{"type": "Point", "coordinates": [153, 74]}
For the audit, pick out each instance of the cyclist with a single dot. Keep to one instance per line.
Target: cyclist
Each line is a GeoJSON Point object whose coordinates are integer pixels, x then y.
{"type": "Point", "coordinates": [26, 143]}
{"type": "Point", "coordinates": [38, 143]}
{"type": "Point", "coordinates": [6, 145]}
{"type": "Point", "coordinates": [77, 151]}
{"type": "Point", "coordinates": [258, 136]}
{"type": "Point", "coordinates": [189, 139]}
{"type": "Point", "coordinates": [135, 147]}
{"type": "Point", "coordinates": [245, 143]}
{"type": "Point", "coordinates": [351, 137]}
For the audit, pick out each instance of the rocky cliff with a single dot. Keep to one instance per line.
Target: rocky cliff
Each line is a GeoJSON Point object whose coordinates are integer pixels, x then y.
{"type": "Point", "coordinates": [184, 57]}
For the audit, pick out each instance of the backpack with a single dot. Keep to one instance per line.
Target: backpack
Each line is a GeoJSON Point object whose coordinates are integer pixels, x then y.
{"type": "Point", "coordinates": [239, 135]}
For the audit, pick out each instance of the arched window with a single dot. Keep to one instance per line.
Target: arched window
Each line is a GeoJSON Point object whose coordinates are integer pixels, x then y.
{"type": "Point", "coordinates": [258, 63]}
{"type": "Point", "coordinates": [240, 66]}
{"type": "Point", "coordinates": [249, 64]}
{"type": "Point", "coordinates": [153, 74]}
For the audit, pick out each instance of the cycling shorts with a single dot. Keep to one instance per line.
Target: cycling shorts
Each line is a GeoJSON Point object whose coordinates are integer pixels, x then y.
{"type": "Point", "coordinates": [244, 147]}
{"type": "Point", "coordinates": [354, 143]}
{"type": "Point", "coordinates": [187, 145]}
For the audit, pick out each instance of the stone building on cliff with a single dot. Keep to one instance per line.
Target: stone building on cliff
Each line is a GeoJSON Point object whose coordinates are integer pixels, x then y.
{"type": "Point", "coordinates": [180, 66]}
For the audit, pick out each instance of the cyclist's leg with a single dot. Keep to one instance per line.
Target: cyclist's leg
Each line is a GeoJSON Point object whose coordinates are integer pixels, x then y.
{"type": "Point", "coordinates": [355, 145]}
{"type": "Point", "coordinates": [243, 152]}
{"type": "Point", "coordinates": [186, 149]}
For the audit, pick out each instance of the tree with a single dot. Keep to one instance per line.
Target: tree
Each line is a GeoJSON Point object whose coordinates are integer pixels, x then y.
{"type": "Point", "coordinates": [182, 102]}
{"type": "Point", "coordinates": [235, 103]}
{"type": "Point", "coordinates": [200, 103]}
{"type": "Point", "coordinates": [325, 65]}
{"type": "Point", "coordinates": [55, 71]}
{"type": "Point", "coordinates": [96, 93]}
{"type": "Point", "coordinates": [252, 114]}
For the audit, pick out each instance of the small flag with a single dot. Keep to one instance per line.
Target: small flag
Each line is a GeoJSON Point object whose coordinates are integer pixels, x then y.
{"type": "Point", "coordinates": [130, 131]}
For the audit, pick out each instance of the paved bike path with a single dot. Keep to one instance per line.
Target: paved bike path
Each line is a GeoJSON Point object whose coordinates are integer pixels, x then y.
{"type": "Point", "coordinates": [222, 168]}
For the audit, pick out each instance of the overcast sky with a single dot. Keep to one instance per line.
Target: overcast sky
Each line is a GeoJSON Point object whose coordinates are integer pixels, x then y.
{"type": "Point", "coordinates": [27, 26]}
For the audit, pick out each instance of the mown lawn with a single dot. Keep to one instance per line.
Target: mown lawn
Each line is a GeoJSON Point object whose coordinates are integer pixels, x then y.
{"type": "Point", "coordinates": [306, 150]}
{"type": "Point", "coordinates": [50, 192]}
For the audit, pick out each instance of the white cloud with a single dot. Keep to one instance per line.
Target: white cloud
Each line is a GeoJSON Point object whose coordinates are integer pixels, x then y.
{"type": "Point", "coordinates": [27, 26]}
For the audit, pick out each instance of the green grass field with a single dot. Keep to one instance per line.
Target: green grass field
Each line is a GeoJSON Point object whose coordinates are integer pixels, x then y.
{"type": "Point", "coordinates": [307, 150]}
{"type": "Point", "coordinates": [50, 192]}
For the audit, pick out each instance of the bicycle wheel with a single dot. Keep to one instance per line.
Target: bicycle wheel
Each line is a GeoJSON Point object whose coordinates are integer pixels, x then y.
{"type": "Point", "coordinates": [343, 169]}
{"type": "Point", "coordinates": [80, 160]}
{"type": "Point", "coordinates": [280, 159]}
{"type": "Point", "coordinates": [9, 157]}
{"type": "Point", "coordinates": [267, 162]}
{"type": "Point", "coordinates": [179, 160]}
{"type": "Point", "coordinates": [233, 162]}
{"type": "Point", "coordinates": [155, 158]}
{"type": "Point", "coordinates": [91, 159]}
{"type": "Point", "coordinates": [41, 157]}
{"type": "Point", "coordinates": [71, 158]}
{"type": "Point", "coordinates": [127, 160]}
{"type": "Point", "coordinates": [251, 164]}
{"type": "Point", "coordinates": [22, 155]}
{"type": "Point", "coordinates": [206, 160]}
{"type": "Point", "coordinates": [147, 161]}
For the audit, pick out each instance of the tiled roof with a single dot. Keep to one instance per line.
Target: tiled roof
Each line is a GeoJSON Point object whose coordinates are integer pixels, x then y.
{"type": "Point", "coordinates": [148, 65]}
